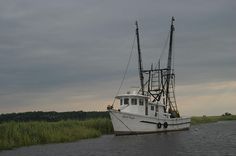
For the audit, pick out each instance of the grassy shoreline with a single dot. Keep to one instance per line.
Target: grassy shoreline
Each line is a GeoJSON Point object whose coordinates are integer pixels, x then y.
{"type": "Point", "coordinates": [209, 119]}
{"type": "Point", "coordinates": [16, 134]}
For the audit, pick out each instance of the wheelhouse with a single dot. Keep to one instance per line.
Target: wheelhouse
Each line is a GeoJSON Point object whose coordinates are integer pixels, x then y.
{"type": "Point", "coordinates": [141, 105]}
{"type": "Point", "coordinates": [133, 103]}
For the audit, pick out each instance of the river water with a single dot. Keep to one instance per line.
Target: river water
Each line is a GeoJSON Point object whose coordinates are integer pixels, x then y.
{"type": "Point", "coordinates": [214, 139]}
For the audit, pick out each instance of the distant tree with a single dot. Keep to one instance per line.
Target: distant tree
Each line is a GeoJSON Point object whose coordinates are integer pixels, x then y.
{"type": "Point", "coordinates": [51, 116]}
{"type": "Point", "coordinates": [226, 114]}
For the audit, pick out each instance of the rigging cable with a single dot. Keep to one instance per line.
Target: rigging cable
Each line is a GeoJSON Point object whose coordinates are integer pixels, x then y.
{"type": "Point", "coordinates": [173, 63]}
{"type": "Point", "coordinates": [123, 123]}
{"type": "Point", "coordinates": [173, 52]}
{"type": "Point", "coordinates": [173, 79]}
{"type": "Point", "coordinates": [163, 50]}
{"type": "Point", "coordinates": [126, 69]}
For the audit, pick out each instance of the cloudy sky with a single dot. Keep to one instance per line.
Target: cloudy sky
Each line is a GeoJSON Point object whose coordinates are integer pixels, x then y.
{"type": "Point", "coordinates": [70, 55]}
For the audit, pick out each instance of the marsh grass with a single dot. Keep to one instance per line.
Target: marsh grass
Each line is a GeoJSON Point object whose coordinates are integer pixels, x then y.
{"type": "Point", "coordinates": [209, 119]}
{"type": "Point", "coordinates": [16, 134]}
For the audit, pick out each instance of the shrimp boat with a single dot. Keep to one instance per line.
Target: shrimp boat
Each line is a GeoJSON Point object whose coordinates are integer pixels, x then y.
{"type": "Point", "coordinates": [153, 107]}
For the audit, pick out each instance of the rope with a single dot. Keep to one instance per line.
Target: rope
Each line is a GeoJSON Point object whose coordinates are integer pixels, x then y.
{"type": "Point", "coordinates": [122, 122]}
{"type": "Point", "coordinates": [173, 52]}
{"type": "Point", "coordinates": [126, 69]}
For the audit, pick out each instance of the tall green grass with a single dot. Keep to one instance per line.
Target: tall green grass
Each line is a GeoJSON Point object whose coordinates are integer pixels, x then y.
{"type": "Point", "coordinates": [209, 119]}
{"type": "Point", "coordinates": [15, 134]}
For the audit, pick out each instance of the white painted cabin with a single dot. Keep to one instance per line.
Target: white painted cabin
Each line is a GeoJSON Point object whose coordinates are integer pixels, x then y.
{"type": "Point", "coordinates": [138, 104]}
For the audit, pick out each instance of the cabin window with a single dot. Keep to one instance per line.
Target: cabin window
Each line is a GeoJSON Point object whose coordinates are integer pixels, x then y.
{"type": "Point", "coordinates": [134, 101]}
{"type": "Point", "coordinates": [126, 101]}
{"type": "Point", "coordinates": [121, 101]}
{"type": "Point", "coordinates": [152, 108]}
{"type": "Point", "coordinates": [141, 102]}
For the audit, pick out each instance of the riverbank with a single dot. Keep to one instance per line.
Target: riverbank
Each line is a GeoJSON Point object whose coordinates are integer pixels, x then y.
{"type": "Point", "coordinates": [16, 134]}
{"type": "Point", "coordinates": [216, 139]}
{"type": "Point", "coordinates": [208, 119]}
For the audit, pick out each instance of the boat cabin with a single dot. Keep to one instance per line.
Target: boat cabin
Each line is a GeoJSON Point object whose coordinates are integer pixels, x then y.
{"type": "Point", "coordinates": [134, 103]}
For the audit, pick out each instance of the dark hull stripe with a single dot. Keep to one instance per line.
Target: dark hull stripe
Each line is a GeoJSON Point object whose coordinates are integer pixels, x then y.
{"type": "Point", "coordinates": [168, 123]}
{"type": "Point", "coordinates": [117, 133]}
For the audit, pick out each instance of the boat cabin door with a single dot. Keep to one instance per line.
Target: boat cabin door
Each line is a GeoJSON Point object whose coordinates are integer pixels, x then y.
{"type": "Point", "coordinates": [146, 109]}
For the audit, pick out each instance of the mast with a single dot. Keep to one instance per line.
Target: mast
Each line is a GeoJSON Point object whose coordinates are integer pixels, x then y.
{"type": "Point", "coordinates": [140, 60]}
{"type": "Point", "coordinates": [169, 61]}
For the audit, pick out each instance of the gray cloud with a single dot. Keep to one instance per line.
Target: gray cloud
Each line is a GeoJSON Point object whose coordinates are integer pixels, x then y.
{"type": "Point", "coordinates": [46, 46]}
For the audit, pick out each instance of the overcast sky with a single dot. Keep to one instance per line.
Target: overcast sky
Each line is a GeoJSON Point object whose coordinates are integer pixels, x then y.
{"type": "Point", "coordinates": [58, 55]}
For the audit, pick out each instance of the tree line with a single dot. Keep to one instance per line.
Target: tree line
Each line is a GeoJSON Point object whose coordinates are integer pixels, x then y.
{"type": "Point", "coordinates": [52, 116]}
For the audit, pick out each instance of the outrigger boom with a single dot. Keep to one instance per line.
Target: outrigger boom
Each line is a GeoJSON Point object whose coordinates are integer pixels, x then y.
{"type": "Point", "coordinates": [165, 78]}
{"type": "Point", "coordinates": [153, 108]}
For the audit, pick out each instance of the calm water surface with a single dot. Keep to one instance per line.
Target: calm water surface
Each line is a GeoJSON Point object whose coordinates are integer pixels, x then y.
{"type": "Point", "coordinates": [215, 139]}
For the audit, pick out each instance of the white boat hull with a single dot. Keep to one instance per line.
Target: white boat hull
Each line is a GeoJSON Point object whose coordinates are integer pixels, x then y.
{"type": "Point", "coordinates": [126, 123]}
